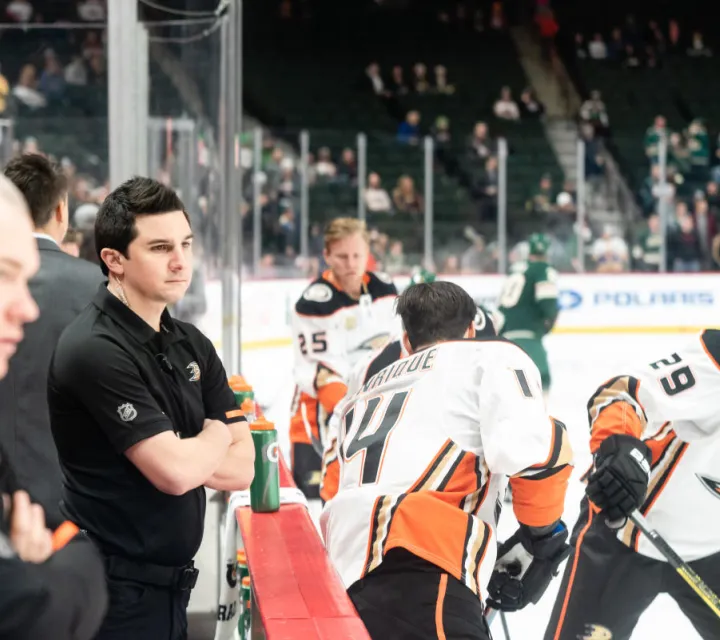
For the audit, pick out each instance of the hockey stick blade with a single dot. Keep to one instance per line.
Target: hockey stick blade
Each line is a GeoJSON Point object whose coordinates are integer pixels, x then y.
{"type": "Point", "coordinates": [676, 562]}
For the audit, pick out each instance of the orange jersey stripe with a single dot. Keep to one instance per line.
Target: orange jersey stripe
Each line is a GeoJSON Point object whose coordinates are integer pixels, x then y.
{"type": "Point", "coordinates": [442, 587]}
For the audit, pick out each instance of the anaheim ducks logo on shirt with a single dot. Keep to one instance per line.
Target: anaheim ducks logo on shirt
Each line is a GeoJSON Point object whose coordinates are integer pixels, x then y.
{"type": "Point", "coordinates": [194, 370]}
{"type": "Point", "coordinates": [713, 486]}
{"type": "Point", "coordinates": [596, 632]}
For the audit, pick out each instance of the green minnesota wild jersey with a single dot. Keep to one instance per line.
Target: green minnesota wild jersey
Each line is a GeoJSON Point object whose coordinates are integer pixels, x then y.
{"type": "Point", "coordinates": [528, 304]}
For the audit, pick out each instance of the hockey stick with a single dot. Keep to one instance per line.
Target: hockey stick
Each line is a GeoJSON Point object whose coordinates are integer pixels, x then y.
{"type": "Point", "coordinates": [676, 562]}
{"type": "Point", "coordinates": [490, 614]}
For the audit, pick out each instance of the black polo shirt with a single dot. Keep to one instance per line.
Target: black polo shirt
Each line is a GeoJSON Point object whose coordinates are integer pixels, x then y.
{"type": "Point", "coordinates": [114, 381]}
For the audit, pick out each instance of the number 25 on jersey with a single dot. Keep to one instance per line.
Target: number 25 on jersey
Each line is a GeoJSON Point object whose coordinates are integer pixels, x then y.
{"type": "Point", "coordinates": [377, 417]}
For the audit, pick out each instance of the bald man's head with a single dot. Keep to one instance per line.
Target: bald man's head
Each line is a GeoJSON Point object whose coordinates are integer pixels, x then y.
{"type": "Point", "coordinates": [19, 260]}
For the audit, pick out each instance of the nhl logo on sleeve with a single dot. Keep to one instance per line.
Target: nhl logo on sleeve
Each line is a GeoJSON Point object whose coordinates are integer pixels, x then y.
{"type": "Point", "coordinates": [127, 412]}
{"type": "Point", "coordinates": [318, 292]}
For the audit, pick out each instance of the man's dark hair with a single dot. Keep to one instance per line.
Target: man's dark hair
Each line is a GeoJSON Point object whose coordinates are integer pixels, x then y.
{"type": "Point", "coordinates": [42, 183]}
{"type": "Point", "coordinates": [435, 311]}
{"type": "Point", "coordinates": [115, 223]}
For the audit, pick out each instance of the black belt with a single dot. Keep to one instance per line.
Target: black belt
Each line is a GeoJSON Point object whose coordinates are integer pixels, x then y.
{"type": "Point", "coordinates": [174, 578]}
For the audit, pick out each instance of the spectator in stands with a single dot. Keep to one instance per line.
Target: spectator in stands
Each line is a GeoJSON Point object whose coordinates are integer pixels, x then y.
{"type": "Point", "coordinates": [96, 70]}
{"type": "Point", "coordinates": [706, 227]}
{"type": "Point", "coordinates": [631, 61]}
{"type": "Point", "coordinates": [394, 263]}
{"type": "Point", "coordinates": [374, 80]}
{"type": "Point", "coordinates": [474, 258]}
{"type": "Point", "coordinates": [92, 46]}
{"type": "Point", "coordinates": [616, 45]}
{"type": "Point", "coordinates": [678, 154]}
{"type": "Point", "coordinates": [440, 132]}
{"type": "Point", "coordinates": [485, 188]}
{"type": "Point", "coordinates": [594, 112]}
{"type": "Point", "coordinates": [581, 52]}
{"type": "Point", "coordinates": [597, 48]}
{"type": "Point", "coordinates": [698, 142]}
{"type": "Point", "coordinates": [674, 36]}
{"type": "Point", "coordinates": [52, 79]}
{"type": "Point", "coordinates": [397, 84]}
{"type": "Point", "coordinates": [530, 106]}
{"type": "Point", "coordinates": [91, 11]}
{"type": "Point", "coordinates": [347, 170]}
{"type": "Point", "coordinates": [409, 130]}
{"type": "Point", "coordinates": [505, 107]}
{"type": "Point", "coordinates": [684, 250]}
{"type": "Point", "coordinates": [420, 81]}
{"type": "Point", "coordinates": [646, 251]}
{"type": "Point", "coordinates": [653, 135]}
{"type": "Point", "coordinates": [76, 72]}
{"type": "Point", "coordinates": [20, 11]}
{"type": "Point", "coordinates": [712, 193]}
{"type": "Point", "coordinates": [610, 252]}
{"type": "Point", "coordinates": [406, 198]}
{"type": "Point", "coordinates": [594, 160]}
{"type": "Point", "coordinates": [480, 144]}
{"type": "Point", "coordinates": [377, 199]}
{"type": "Point", "coordinates": [324, 167]}
{"type": "Point", "coordinates": [697, 48]}
{"type": "Point", "coordinates": [26, 89]}
{"type": "Point", "coordinates": [71, 242]}
{"type": "Point", "coordinates": [442, 86]}
{"type": "Point", "coordinates": [541, 201]}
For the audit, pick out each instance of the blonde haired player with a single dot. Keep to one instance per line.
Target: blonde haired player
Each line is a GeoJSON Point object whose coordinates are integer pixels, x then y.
{"type": "Point", "coordinates": [344, 314]}
{"type": "Point", "coordinates": [425, 449]}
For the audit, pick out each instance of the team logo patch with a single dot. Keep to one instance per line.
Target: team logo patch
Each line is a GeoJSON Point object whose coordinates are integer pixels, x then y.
{"type": "Point", "coordinates": [127, 412]}
{"type": "Point", "coordinates": [383, 277]}
{"type": "Point", "coordinates": [713, 486]}
{"type": "Point", "coordinates": [194, 370]}
{"type": "Point", "coordinates": [318, 293]}
{"type": "Point", "coordinates": [376, 342]}
{"type": "Point", "coordinates": [596, 632]}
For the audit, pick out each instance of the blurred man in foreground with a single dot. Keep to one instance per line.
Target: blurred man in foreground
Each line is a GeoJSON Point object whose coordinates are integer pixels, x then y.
{"type": "Point", "coordinates": [50, 586]}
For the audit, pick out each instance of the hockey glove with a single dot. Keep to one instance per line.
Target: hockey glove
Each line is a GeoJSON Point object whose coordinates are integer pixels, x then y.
{"type": "Point", "coordinates": [526, 564]}
{"type": "Point", "coordinates": [619, 482]}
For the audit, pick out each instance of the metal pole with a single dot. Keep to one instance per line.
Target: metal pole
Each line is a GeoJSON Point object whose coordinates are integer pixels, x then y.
{"type": "Point", "coordinates": [227, 97]}
{"type": "Point", "coordinates": [581, 204]}
{"type": "Point", "coordinates": [362, 174]}
{"type": "Point", "coordinates": [123, 131]}
{"type": "Point", "coordinates": [256, 208]}
{"type": "Point", "coordinates": [502, 206]}
{"type": "Point", "coordinates": [304, 196]}
{"type": "Point", "coordinates": [142, 84]}
{"type": "Point", "coordinates": [237, 182]}
{"type": "Point", "coordinates": [429, 198]}
{"type": "Point", "coordinates": [662, 201]}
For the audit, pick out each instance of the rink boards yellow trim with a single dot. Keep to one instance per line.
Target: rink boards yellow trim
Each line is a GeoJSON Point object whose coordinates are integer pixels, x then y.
{"type": "Point", "coordinates": [275, 343]}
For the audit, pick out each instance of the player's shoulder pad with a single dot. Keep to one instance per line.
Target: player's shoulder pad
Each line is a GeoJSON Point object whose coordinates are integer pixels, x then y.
{"type": "Point", "coordinates": [380, 285]}
{"type": "Point", "coordinates": [711, 341]}
{"type": "Point", "coordinates": [320, 298]}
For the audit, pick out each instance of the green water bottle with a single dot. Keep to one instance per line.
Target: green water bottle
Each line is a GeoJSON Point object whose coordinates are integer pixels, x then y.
{"type": "Point", "coordinates": [265, 487]}
{"type": "Point", "coordinates": [242, 391]}
{"type": "Point", "coordinates": [246, 618]}
{"type": "Point", "coordinates": [242, 573]}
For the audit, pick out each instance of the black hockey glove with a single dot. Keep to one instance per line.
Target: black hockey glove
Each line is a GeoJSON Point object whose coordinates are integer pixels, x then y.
{"type": "Point", "coordinates": [525, 565]}
{"type": "Point", "coordinates": [619, 482]}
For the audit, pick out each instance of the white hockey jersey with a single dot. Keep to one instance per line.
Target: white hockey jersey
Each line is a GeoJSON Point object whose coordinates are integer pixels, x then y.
{"type": "Point", "coordinates": [331, 332]}
{"type": "Point", "coordinates": [426, 446]}
{"type": "Point", "coordinates": [673, 404]}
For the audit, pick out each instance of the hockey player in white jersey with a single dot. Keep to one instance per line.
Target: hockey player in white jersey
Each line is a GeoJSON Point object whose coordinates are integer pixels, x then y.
{"type": "Point", "coordinates": [342, 316]}
{"type": "Point", "coordinates": [426, 447]}
{"type": "Point", "coordinates": [655, 435]}
{"type": "Point", "coordinates": [485, 327]}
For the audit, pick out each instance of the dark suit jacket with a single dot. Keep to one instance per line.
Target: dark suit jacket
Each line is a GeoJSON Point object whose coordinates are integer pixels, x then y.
{"type": "Point", "coordinates": [62, 287]}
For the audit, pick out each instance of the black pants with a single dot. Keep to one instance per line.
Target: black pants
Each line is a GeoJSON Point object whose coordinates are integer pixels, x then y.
{"type": "Point", "coordinates": [607, 586]}
{"type": "Point", "coordinates": [306, 469]}
{"type": "Point", "coordinates": [144, 612]}
{"type": "Point", "coordinates": [406, 598]}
